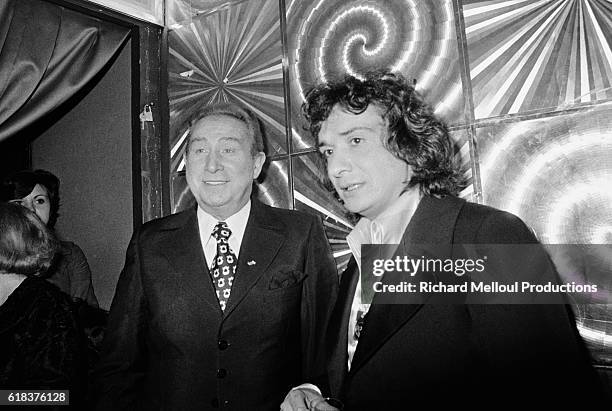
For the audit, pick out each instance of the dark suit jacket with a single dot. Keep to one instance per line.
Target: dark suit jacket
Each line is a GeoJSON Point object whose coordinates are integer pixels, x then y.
{"type": "Point", "coordinates": [474, 355]}
{"type": "Point", "coordinates": [168, 344]}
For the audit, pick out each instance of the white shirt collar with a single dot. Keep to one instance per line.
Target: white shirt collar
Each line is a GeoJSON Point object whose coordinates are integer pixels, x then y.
{"type": "Point", "coordinates": [388, 228]}
{"type": "Point", "coordinates": [236, 223]}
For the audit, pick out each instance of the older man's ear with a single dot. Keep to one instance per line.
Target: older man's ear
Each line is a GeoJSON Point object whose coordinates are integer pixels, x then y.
{"type": "Point", "coordinates": [258, 162]}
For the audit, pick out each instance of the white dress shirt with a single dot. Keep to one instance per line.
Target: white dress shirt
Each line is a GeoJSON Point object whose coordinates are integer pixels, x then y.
{"type": "Point", "coordinates": [388, 228]}
{"type": "Point", "coordinates": [236, 223]}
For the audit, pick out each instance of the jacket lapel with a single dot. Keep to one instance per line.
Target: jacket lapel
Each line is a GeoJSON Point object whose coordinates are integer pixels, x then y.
{"type": "Point", "coordinates": [338, 328]}
{"type": "Point", "coordinates": [432, 224]}
{"type": "Point", "coordinates": [262, 240]}
{"type": "Point", "coordinates": [186, 255]}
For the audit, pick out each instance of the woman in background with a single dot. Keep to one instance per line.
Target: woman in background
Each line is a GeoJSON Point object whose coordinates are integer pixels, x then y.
{"type": "Point", "coordinates": [39, 191]}
{"type": "Point", "coordinates": [42, 345]}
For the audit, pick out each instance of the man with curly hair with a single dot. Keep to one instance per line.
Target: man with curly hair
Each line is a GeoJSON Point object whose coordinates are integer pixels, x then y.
{"type": "Point", "coordinates": [391, 163]}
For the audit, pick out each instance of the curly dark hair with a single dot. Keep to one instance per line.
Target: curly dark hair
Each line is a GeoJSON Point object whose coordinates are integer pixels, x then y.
{"type": "Point", "coordinates": [415, 135]}
{"type": "Point", "coordinates": [21, 184]}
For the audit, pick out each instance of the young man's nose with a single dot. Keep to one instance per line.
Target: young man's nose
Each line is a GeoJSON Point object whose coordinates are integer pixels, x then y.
{"type": "Point", "coordinates": [337, 164]}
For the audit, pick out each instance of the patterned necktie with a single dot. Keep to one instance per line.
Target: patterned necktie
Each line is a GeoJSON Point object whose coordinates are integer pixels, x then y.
{"type": "Point", "coordinates": [224, 266]}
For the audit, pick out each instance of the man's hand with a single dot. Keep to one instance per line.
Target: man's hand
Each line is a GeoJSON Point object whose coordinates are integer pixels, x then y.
{"type": "Point", "coordinates": [320, 404]}
{"type": "Point", "coordinates": [300, 399]}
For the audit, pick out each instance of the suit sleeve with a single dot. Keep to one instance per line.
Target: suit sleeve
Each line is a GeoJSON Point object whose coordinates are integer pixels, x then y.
{"type": "Point", "coordinates": [120, 371]}
{"type": "Point", "coordinates": [80, 277]}
{"type": "Point", "coordinates": [318, 298]}
{"type": "Point", "coordinates": [535, 348]}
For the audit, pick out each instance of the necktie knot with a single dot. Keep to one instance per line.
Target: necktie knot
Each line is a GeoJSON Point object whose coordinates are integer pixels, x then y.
{"type": "Point", "coordinates": [221, 232]}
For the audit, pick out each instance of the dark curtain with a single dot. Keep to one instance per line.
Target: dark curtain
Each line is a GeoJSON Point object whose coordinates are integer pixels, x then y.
{"type": "Point", "coordinates": [47, 54]}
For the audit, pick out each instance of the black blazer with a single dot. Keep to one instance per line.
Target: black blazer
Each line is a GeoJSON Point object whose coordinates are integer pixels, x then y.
{"type": "Point", "coordinates": [168, 344]}
{"type": "Point", "coordinates": [450, 355]}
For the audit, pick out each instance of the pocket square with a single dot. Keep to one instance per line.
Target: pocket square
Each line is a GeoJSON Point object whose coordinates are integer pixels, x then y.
{"type": "Point", "coordinates": [285, 279]}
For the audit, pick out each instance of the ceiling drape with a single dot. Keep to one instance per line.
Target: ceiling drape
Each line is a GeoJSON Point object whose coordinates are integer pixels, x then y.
{"type": "Point", "coordinates": [47, 54]}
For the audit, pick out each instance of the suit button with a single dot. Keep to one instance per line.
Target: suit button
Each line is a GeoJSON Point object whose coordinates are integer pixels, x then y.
{"type": "Point", "coordinates": [221, 373]}
{"type": "Point", "coordinates": [223, 344]}
{"type": "Point", "coordinates": [215, 403]}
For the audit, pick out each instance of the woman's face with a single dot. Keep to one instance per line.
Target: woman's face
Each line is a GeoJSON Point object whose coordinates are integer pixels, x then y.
{"type": "Point", "coordinates": [38, 202]}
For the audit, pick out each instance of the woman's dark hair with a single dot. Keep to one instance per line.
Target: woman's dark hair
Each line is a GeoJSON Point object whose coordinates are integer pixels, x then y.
{"type": "Point", "coordinates": [27, 246]}
{"type": "Point", "coordinates": [415, 135]}
{"type": "Point", "coordinates": [21, 183]}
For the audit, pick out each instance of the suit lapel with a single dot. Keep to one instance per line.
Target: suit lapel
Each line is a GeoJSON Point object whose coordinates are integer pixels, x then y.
{"type": "Point", "coordinates": [432, 224]}
{"type": "Point", "coordinates": [338, 327]}
{"type": "Point", "coordinates": [186, 255]}
{"type": "Point", "coordinates": [262, 239]}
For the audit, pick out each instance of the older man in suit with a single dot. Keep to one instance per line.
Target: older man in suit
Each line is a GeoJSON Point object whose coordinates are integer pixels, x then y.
{"type": "Point", "coordinates": [390, 161]}
{"type": "Point", "coordinates": [223, 306]}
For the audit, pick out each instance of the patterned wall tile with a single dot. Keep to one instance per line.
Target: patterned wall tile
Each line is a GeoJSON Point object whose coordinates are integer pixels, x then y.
{"type": "Point", "coordinates": [231, 55]}
{"type": "Point", "coordinates": [553, 172]}
{"type": "Point", "coordinates": [416, 38]}
{"type": "Point", "coordinates": [529, 56]}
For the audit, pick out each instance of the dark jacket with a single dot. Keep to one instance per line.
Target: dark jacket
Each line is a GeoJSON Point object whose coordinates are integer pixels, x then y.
{"type": "Point", "coordinates": [42, 345]}
{"type": "Point", "coordinates": [168, 344]}
{"type": "Point", "coordinates": [412, 355]}
{"type": "Point", "coordinates": [71, 274]}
